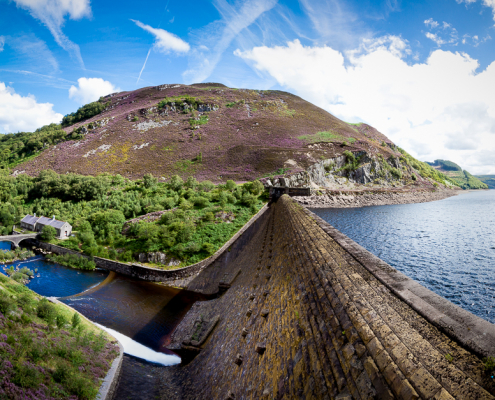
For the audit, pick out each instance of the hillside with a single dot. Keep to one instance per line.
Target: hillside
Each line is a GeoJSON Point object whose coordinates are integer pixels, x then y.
{"type": "Point", "coordinates": [488, 180]}
{"type": "Point", "coordinates": [462, 177]}
{"type": "Point", "coordinates": [216, 133]}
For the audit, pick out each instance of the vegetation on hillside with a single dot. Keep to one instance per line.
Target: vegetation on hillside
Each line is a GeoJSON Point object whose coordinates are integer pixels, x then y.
{"type": "Point", "coordinates": [85, 112]}
{"type": "Point", "coordinates": [201, 217]}
{"type": "Point", "coordinates": [19, 147]}
{"type": "Point", "coordinates": [46, 350]}
{"type": "Point", "coordinates": [425, 170]}
{"type": "Point", "coordinates": [445, 165]}
{"type": "Point", "coordinates": [463, 178]}
{"type": "Point", "coordinates": [489, 180]}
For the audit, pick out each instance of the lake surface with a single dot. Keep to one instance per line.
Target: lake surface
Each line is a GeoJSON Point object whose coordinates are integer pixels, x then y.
{"type": "Point", "coordinates": [139, 313]}
{"type": "Point", "coordinates": [448, 245]}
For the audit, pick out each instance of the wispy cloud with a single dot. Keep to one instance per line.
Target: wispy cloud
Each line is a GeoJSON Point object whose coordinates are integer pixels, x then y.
{"type": "Point", "coordinates": [218, 35]}
{"type": "Point", "coordinates": [52, 13]}
{"type": "Point", "coordinates": [431, 23]}
{"type": "Point", "coordinates": [444, 33]}
{"type": "Point", "coordinates": [335, 22]}
{"type": "Point", "coordinates": [35, 51]}
{"type": "Point", "coordinates": [2, 42]}
{"type": "Point", "coordinates": [165, 41]}
{"type": "Point", "coordinates": [486, 3]}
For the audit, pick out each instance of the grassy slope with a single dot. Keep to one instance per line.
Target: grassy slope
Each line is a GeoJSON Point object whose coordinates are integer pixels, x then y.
{"type": "Point", "coordinates": [463, 178]}
{"type": "Point", "coordinates": [488, 180]}
{"type": "Point", "coordinates": [41, 360]}
{"type": "Point", "coordinates": [253, 133]}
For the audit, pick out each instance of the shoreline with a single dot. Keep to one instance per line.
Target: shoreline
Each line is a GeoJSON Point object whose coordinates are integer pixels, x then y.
{"type": "Point", "coordinates": [367, 199]}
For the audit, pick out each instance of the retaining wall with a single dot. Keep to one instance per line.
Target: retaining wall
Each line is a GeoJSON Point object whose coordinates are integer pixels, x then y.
{"type": "Point", "coordinates": [156, 274]}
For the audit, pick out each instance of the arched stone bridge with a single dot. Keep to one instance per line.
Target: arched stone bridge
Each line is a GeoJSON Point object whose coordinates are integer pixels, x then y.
{"type": "Point", "coordinates": [16, 239]}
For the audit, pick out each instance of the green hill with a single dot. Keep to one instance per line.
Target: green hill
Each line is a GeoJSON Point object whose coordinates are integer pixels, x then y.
{"type": "Point", "coordinates": [462, 177]}
{"type": "Point", "coordinates": [488, 180]}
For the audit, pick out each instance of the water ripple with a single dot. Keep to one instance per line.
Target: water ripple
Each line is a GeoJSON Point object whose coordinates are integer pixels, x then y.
{"type": "Point", "coordinates": [445, 245]}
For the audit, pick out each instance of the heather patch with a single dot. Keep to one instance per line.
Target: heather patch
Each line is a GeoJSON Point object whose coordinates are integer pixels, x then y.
{"type": "Point", "coordinates": [258, 130]}
{"type": "Point", "coordinates": [46, 350]}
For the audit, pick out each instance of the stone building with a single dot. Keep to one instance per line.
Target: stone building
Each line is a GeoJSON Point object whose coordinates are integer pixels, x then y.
{"type": "Point", "coordinates": [36, 224]}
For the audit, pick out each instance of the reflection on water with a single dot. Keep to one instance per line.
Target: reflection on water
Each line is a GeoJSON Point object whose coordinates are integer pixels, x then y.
{"type": "Point", "coordinates": [56, 280]}
{"type": "Point", "coordinates": [143, 311]}
{"type": "Point", "coordinates": [448, 245]}
{"type": "Point", "coordinates": [5, 246]}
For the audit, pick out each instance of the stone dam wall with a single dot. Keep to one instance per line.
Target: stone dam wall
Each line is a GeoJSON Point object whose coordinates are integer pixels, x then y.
{"type": "Point", "coordinates": [305, 313]}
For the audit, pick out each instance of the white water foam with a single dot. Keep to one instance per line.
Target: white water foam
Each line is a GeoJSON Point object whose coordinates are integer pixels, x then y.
{"type": "Point", "coordinates": [136, 349]}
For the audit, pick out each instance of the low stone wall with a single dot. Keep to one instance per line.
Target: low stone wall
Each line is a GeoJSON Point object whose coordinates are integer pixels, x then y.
{"type": "Point", "coordinates": [156, 274]}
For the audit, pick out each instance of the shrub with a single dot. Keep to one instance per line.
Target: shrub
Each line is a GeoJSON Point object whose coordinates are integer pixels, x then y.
{"type": "Point", "coordinates": [61, 321]}
{"type": "Point", "coordinates": [48, 233]}
{"type": "Point", "coordinates": [76, 320]}
{"type": "Point", "coordinates": [46, 311]}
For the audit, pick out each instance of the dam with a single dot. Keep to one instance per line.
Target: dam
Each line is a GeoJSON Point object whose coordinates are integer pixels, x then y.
{"type": "Point", "coordinates": [304, 312]}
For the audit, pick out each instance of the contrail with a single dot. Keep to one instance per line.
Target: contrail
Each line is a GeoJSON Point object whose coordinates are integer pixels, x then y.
{"type": "Point", "coordinates": [149, 51]}
{"type": "Point", "coordinates": [144, 65]}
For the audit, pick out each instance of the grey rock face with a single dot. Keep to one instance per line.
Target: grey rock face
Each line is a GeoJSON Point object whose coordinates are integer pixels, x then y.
{"type": "Point", "coordinates": [326, 173]}
{"type": "Point", "coordinates": [158, 258]}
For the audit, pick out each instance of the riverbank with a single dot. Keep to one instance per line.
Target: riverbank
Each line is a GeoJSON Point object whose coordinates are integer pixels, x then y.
{"type": "Point", "coordinates": [349, 199]}
{"type": "Point", "coordinates": [48, 350]}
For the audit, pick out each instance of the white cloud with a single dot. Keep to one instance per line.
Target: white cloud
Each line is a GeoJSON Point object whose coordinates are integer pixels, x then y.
{"type": "Point", "coordinates": [52, 13]}
{"type": "Point", "coordinates": [431, 23]}
{"type": "Point", "coordinates": [165, 41]}
{"type": "Point", "coordinates": [441, 108]}
{"type": "Point", "coordinates": [2, 42]}
{"type": "Point", "coordinates": [91, 89]}
{"type": "Point", "coordinates": [432, 36]}
{"type": "Point", "coordinates": [486, 3]}
{"type": "Point", "coordinates": [23, 113]}
{"type": "Point", "coordinates": [218, 36]}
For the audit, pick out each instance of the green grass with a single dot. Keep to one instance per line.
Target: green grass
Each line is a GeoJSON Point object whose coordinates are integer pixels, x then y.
{"type": "Point", "coordinates": [280, 171]}
{"type": "Point", "coordinates": [326, 136]}
{"type": "Point", "coordinates": [46, 344]}
{"type": "Point", "coordinates": [187, 166]}
{"type": "Point", "coordinates": [203, 120]}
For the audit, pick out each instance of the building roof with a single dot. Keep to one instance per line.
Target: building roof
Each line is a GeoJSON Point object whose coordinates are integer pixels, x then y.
{"type": "Point", "coordinates": [30, 219]}
{"type": "Point", "coordinates": [52, 222]}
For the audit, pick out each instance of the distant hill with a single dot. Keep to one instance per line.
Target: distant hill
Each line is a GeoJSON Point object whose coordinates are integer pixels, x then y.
{"type": "Point", "coordinates": [456, 173]}
{"type": "Point", "coordinates": [488, 180]}
{"type": "Point", "coordinates": [216, 133]}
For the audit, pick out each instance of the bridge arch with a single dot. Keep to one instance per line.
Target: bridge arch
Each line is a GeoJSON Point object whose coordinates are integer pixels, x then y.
{"type": "Point", "coordinates": [16, 239]}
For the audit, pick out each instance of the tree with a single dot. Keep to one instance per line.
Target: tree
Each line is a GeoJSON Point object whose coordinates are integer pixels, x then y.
{"type": "Point", "coordinates": [149, 181]}
{"type": "Point", "coordinates": [48, 233]}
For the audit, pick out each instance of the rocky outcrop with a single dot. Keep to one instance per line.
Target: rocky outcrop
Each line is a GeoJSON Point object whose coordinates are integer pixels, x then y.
{"type": "Point", "coordinates": [350, 168]}
{"type": "Point", "coordinates": [158, 258]}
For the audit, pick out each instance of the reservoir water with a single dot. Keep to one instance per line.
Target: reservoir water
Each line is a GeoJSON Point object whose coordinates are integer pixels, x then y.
{"type": "Point", "coordinates": [142, 315]}
{"type": "Point", "coordinates": [448, 246]}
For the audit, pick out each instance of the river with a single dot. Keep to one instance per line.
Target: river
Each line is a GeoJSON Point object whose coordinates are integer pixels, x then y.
{"type": "Point", "coordinates": [141, 315]}
{"type": "Point", "coordinates": [448, 245]}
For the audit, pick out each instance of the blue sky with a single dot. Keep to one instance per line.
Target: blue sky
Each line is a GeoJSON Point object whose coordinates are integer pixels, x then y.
{"type": "Point", "coordinates": [422, 72]}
